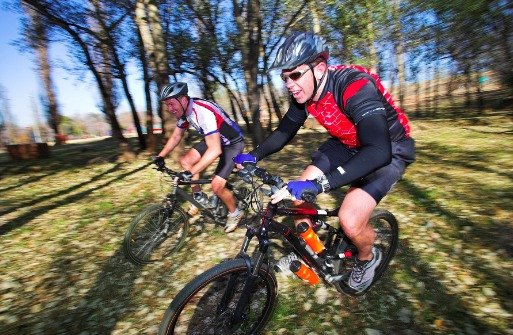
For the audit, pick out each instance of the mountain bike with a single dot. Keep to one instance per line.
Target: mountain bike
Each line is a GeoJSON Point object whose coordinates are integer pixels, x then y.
{"type": "Point", "coordinates": [161, 229]}
{"type": "Point", "coordinates": [238, 296]}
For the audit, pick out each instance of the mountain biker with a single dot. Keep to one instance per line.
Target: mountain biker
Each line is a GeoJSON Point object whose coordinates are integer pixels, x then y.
{"type": "Point", "coordinates": [368, 148]}
{"type": "Point", "coordinates": [222, 138]}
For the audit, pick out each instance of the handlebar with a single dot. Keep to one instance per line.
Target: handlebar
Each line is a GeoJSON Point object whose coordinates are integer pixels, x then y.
{"type": "Point", "coordinates": [166, 170]}
{"type": "Point", "coordinates": [276, 182]}
{"type": "Point", "coordinates": [266, 177]}
{"type": "Point", "coordinates": [174, 174]}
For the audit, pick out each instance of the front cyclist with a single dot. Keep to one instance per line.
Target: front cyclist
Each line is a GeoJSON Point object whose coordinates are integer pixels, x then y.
{"type": "Point", "coordinates": [369, 145]}
{"type": "Point", "coordinates": [222, 138]}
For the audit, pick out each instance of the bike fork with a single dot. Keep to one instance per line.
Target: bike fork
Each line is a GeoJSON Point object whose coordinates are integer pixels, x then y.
{"type": "Point", "coordinates": [245, 296]}
{"type": "Point", "coordinates": [249, 283]}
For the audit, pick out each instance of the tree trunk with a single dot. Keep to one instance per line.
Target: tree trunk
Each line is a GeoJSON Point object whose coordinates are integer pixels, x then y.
{"type": "Point", "coordinates": [436, 85]}
{"type": "Point", "coordinates": [39, 41]}
{"type": "Point", "coordinates": [151, 140]}
{"type": "Point", "coordinates": [250, 37]}
{"type": "Point", "coordinates": [274, 100]}
{"type": "Point", "coordinates": [106, 77]}
{"type": "Point", "coordinates": [103, 80]}
{"type": "Point", "coordinates": [120, 69]}
{"type": "Point", "coordinates": [468, 84]}
{"type": "Point", "coordinates": [399, 53]}
{"type": "Point", "coordinates": [373, 54]}
{"type": "Point", "coordinates": [427, 89]}
{"type": "Point", "coordinates": [147, 18]}
{"type": "Point", "coordinates": [314, 11]}
{"type": "Point", "coordinates": [479, 92]}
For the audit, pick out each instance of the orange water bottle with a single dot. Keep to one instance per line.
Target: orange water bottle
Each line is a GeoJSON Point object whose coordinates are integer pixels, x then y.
{"type": "Point", "coordinates": [304, 272]}
{"type": "Point", "coordinates": [311, 238]}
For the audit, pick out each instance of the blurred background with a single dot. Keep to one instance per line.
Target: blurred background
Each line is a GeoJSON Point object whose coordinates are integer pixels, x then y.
{"type": "Point", "coordinates": [82, 69]}
{"type": "Point", "coordinates": [78, 86]}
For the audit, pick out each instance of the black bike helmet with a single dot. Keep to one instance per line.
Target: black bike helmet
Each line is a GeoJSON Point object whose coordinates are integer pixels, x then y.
{"type": "Point", "coordinates": [173, 90]}
{"type": "Point", "coordinates": [300, 48]}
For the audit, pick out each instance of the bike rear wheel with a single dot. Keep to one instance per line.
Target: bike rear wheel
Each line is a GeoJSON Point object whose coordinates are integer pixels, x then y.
{"type": "Point", "coordinates": [155, 234]}
{"type": "Point", "coordinates": [206, 305]}
{"type": "Point", "coordinates": [387, 237]}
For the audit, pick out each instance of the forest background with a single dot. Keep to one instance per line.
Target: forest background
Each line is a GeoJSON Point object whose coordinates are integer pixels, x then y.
{"type": "Point", "coordinates": [437, 58]}
{"type": "Point", "coordinates": [63, 217]}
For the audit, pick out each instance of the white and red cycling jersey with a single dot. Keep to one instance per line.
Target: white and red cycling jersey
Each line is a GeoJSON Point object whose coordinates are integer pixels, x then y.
{"type": "Point", "coordinates": [208, 118]}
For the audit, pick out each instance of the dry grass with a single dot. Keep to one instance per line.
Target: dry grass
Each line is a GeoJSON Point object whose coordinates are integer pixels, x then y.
{"type": "Point", "coordinates": [62, 220]}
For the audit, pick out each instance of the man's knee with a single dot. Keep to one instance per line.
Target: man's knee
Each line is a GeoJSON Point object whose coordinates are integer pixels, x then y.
{"type": "Point", "coordinates": [352, 225]}
{"type": "Point", "coordinates": [218, 184]}
{"type": "Point", "coordinates": [185, 163]}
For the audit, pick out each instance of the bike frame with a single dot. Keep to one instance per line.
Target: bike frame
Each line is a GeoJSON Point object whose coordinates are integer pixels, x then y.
{"type": "Point", "coordinates": [179, 192]}
{"type": "Point", "coordinates": [268, 224]}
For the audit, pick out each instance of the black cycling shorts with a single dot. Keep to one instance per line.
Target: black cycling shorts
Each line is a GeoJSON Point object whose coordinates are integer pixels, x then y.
{"type": "Point", "coordinates": [332, 154]}
{"type": "Point", "coordinates": [226, 163]}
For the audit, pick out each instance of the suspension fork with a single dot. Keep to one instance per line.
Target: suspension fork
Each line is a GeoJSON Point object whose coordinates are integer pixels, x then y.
{"type": "Point", "coordinates": [253, 269]}
{"type": "Point", "coordinates": [228, 293]}
{"type": "Point", "coordinates": [171, 197]}
{"type": "Point", "coordinates": [252, 278]}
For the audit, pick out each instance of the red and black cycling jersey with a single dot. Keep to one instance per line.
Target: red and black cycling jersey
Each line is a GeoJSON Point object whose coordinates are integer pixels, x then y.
{"type": "Point", "coordinates": [355, 108]}
{"type": "Point", "coordinates": [352, 93]}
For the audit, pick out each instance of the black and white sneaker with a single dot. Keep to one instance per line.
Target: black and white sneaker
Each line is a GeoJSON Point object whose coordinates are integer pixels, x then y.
{"type": "Point", "coordinates": [363, 272]}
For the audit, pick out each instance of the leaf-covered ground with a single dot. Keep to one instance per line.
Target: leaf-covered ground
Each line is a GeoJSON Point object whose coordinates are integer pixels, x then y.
{"type": "Point", "coordinates": [62, 221]}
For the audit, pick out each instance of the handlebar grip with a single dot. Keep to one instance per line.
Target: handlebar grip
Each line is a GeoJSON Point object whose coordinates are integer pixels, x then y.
{"type": "Point", "coordinates": [245, 175]}
{"type": "Point", "coordinates": [308, 197]}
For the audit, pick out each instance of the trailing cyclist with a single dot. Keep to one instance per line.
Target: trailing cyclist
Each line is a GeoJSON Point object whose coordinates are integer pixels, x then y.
{"type": "Point", "coordinates": [369, 145]}
{"type": "Point", "coordinates": [222, 138]}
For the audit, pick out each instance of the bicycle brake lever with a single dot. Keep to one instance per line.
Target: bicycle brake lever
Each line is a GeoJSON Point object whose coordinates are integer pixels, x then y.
{"type": "Point", "coordinates": [245, 175]}
{"type": "Point", "coordinates": [266, 191]}
{"type": "Point", "coordinates": [274, 189]}
{"type": "Point", "coordinates": [250, 167]}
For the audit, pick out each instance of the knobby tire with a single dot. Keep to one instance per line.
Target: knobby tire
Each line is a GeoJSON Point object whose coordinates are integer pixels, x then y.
{"type": "Point", "coordinates": [385, 225]}
{"type": "Point", "coordinates": [203, 306]}
{"type": "Point", "coordinates": [155, 234]}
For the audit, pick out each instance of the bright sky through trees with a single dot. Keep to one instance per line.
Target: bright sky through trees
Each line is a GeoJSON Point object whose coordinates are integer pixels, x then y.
{"type": "Point", "coordinates": [21, 83]}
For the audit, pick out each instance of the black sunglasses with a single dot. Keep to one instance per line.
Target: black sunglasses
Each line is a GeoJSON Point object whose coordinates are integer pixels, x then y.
{"type": "Point", "coordinates": [294, 75]}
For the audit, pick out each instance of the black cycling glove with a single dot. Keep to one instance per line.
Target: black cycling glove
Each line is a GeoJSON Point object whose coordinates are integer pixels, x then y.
{"type": "Point", "coordinates": [159, 162]}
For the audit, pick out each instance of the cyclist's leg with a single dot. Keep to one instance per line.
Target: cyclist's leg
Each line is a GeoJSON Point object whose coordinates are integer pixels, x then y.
{"type": "Point", "coordinates": [223, 170]}
{"type": "Point", "coordinates": [360, 201]}
{"type": "Point", "coordinates": [327, 157]}
{"type": "Point", "coordinates": [354, 215]}
{"type": "Point", "coordinates": [190, 158]}
{"type": "Point", "coordinates": [226, 196]}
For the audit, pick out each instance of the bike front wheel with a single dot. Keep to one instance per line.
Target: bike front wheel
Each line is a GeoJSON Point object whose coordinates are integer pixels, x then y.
{"type": "Point", "coordinates": [207, 305]}
{"type": "Point", "coordinates": [155, 233]}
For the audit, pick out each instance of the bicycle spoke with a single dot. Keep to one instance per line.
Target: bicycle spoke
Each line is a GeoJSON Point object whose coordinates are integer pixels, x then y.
{"type": "Point", "coordinates": [208, 306]}
{"type": "Point", "coordinates": [155, 234]}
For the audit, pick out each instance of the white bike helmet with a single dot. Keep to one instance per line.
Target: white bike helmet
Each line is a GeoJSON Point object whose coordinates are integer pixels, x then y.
{"type": "Point", "coordinates": [173, 90]}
